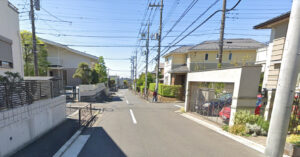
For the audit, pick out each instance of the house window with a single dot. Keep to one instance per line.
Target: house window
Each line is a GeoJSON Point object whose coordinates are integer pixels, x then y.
{"type": "Point", "coordinates": [6, 53]}
{"type": "Point", "coordinates": [206, 56]}
{"type": "Point", "coordinates": [230, 56]}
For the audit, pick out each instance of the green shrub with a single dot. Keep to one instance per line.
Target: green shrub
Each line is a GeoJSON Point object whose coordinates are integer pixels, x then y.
{"type": "Point", "coordinates": [152, 87]}
{"type": "Point", "coordinates": [293, 139]}
{"type": "Point", "coordinates": [172, 91]}
{"type": "Point", "coordinates": [243, 117]}
{"type": "Point", "coordinates": [246, 117]}
{"type": "Point", "coordinates": [238, 129]}
{"type": "Point", "coordinates": [225, 128]}
{"type": "Point", "coordinates": [142, 88]}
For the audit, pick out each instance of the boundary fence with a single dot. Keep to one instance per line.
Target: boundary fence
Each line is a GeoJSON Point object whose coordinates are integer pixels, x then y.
{"type": "Point", "coordinates": [26, 92]}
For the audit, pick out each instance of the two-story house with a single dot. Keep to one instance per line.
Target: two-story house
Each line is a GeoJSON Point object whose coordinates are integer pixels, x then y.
{"type": "Point", "coordinates": [278, 26]}
{"type": "Point", "coordinates": [275, 49]}
{"type": "Point", "coordinates": [64, 62]}
{"type": "Point", "coordinates": [11, 58]}
{"type": "Point", "coordinates": [204, 56]}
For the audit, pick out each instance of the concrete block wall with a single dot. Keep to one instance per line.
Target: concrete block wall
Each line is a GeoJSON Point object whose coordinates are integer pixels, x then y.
{"type": "Point", "coordinates": [24, 124]}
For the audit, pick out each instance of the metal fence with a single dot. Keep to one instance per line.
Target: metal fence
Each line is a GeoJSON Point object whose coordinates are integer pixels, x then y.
{"type": "Point", "coordinates": [26, 92]}
{"type": "Point", "coordinates": [204, 66]}
{"type": "Point", "coordinates": [86, 115]}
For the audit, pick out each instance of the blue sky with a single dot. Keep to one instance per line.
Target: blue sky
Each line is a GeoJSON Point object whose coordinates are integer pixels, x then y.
{"type": "Point", "coordinates": [84, 23]}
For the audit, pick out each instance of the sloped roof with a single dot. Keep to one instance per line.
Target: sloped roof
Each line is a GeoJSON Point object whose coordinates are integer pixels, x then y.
{"type": "Point", "coordinates": [68, 48]}
{"type": "Point", "coordinates": [229, 44]}
{"type": "Point", "coordinates": [180, 50]}
{"type": "Point", "coordinates": [272, 21]}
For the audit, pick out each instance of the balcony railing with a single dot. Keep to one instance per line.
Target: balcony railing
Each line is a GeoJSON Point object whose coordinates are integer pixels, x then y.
{"type": "Point", "coordinates": [203, 66]}
{"type": "Point", "coordinates": [55, 61]}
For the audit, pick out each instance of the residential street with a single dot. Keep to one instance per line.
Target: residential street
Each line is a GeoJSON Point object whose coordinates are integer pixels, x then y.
{"type": "Point", "coordinates": [132, 127]}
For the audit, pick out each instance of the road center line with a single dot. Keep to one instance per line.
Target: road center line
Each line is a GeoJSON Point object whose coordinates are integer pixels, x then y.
{"type": "Point", "coordinates": [132, 116]}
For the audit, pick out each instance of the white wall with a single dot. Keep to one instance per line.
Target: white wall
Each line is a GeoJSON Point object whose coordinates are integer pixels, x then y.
{"type": "Point", "coordinates": [245, 79]}
{"type": "Point", "coordinates": [167, 75]}
{"type": "Point", "coordinates": [9, 28]}
{"type": "Point", "coordinates": [24, 124]}
{"type": "Point", "coordinates": [66, 58]}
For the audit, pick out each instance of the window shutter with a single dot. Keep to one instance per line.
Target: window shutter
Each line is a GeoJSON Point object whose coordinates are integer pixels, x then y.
{"type": "Point", "coordinates": [5, 49]}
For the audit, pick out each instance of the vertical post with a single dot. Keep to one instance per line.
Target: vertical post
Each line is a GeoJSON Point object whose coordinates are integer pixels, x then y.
{"type": "Point", "coordinates": [135, 69]}
{"type": "Point", "coordinates": [286, 85]}
{"type": "Point", "coordinates": [51, 89]}
{"type": "Point", "coordinates": [147, 53]}
{"type": "Point", "coordinates": [159, 45]}
{"type": "Point", "coordinates": [40, 90]}
{"type": "Point", "coordinates": [91, 109]}
{"type": "Point", "coordinates": [221, 40]}
{"type": "Point", "coordinates": [36, 70]}
{"type": "Point", "coordinates": [79, 117]}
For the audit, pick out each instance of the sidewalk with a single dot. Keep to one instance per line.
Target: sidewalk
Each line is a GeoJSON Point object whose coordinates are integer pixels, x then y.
{"type": "Point", "coordinates": [48, 144]}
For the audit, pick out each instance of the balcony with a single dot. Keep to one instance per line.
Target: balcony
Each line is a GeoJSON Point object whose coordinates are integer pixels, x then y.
{"type": "Point", "coordinates": [205, 66]}
{"type": "Point", "coordinates": [55, 61]}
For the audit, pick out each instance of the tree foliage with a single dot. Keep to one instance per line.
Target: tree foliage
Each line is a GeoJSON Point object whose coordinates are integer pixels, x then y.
{"type": "Point", "coordinates": [28, 55]}
{"type": "Point", "coordinates": [84, 73]}
{"type": "Point", "coordinates": [100, 69]}
{"type": "Point", "coordinates": [141, 80]}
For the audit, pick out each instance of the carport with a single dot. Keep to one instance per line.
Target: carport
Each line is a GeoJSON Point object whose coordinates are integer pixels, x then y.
{"type": "Point", "coordinates": [244, 80]}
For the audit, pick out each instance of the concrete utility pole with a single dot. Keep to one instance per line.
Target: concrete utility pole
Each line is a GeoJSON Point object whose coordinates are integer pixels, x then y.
{"type": "Point", "coordinates": [159, 42]}
{"type": "Point", "coordinates": [286, 85]}
{"type": "Point", "coordinates": [147, 54]}
{"type": "Point", "coordinates": [135, 67]}
{"type": "Point", "coordinates": [221, 40]}
{"type": "Point", "coordinates": [35, 59]}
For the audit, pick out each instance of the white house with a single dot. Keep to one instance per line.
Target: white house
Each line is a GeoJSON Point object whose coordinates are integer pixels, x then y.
{"type": "Point", "coordinates": [64, 62]}
{"type": "Point", "coordinates": [11, 58]}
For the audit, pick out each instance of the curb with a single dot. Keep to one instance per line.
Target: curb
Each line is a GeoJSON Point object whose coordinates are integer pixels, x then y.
{"type": "Point", "coordinates": [258, 147]}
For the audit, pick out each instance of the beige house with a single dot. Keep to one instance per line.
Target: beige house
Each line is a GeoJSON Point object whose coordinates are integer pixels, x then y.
{"type": "Point", "coordinates": [64, 62]}
{"type": "Point", "coordinates": [275, 49]}
{"type": "Point", "coordinates": [204, 56]}
{"type": "Point", "coordinates": [11, 58]}
{"type": "Point", "coordinates": [278, 26]}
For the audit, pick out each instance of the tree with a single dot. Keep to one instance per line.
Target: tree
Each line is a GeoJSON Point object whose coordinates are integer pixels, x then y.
{"type": "Point", "coordinates": [28, 55]}
{"type": "Point", "coordinates": [95, 77]}
{"type": "Point", "coordinates": [83, 72]}
{"type": "Point", "coordinates": [141, 80]}
{"type": "Point", "coordinates": [100, 68]}
{"type": "Point", "coordinates": [125, 83]}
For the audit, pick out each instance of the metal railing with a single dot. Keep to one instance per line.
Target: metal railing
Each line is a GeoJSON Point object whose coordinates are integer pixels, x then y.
{"type": "Point", "coordinates": [26, 92]}
{"type": "Point", "coordinates": [86, 115]}
{"type": "Point", "coordinates": [203, 66]}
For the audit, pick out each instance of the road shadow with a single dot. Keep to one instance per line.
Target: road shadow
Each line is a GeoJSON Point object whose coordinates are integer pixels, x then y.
{"type": "Point", "coordinates": [100, 144]}
{"type": "Point", "coordinates": [48, 144]}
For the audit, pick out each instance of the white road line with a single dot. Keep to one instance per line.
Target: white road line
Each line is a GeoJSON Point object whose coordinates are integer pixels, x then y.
{"type": "Point", "coordinates": [132, 116]}
{"type": "Point", "coordinates": [67, 144]}
{"type": "Point", "coordinates": [127, 102]}
{"type": "Point", "coordinates": [178, 106]}
{"type": "Point", "coordinates": [76, 147]}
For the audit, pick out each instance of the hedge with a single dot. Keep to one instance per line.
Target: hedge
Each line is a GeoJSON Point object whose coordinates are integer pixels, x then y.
{"type": "Point", "coordinates": [142, 88]}
{"type": "Point", "coordinates": [167, 90]}
{"type": "Point", "coordinates": [152, 87]}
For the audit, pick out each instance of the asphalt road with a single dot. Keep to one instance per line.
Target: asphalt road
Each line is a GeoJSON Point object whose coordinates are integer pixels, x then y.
{"type": "Point", "coordinates": [132, 127]}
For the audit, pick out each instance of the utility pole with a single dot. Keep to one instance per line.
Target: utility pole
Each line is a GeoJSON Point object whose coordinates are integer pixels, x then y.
{"type": "Point", "coordinates": [286, 86]}
{"type": "Point", "coordinates": [147, 54]}
{"type": "Point", "coordinates": [159, 42]}
{"type": "Point", "coordinates": [221, 40]}
{"type": "Point", "coordinates": [36, 70]}
{"type": "Point", "coordinates": [135, 69]}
